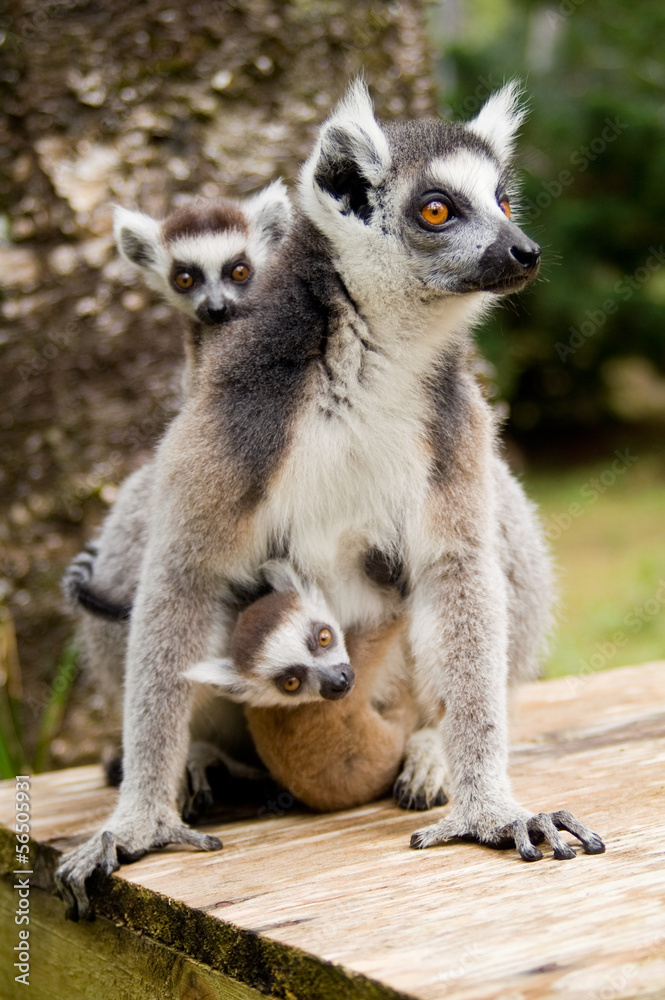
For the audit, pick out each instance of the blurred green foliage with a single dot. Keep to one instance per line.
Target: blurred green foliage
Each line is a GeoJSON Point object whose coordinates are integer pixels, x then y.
{"type": "Point", "coordinates": [611, 567]}
{"type": "Point", "coordinates": [16, 757]}
{"type": "Point", "coordinates": [586, 345]}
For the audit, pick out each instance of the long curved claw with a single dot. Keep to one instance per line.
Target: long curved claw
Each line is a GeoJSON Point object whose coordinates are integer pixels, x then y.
{"type": "Point", "coordinates": [543, 824]}
{"type": "Point", "coordinates": [520, 834]}
{"type": "Point", "coordinates": [591, 842]}
{"type": "Point", "coordinates": [106, 851]}
{"type": "Point", "coordinates": [99, 853]}
{"type": "Point", "coordinates": [523, 831]}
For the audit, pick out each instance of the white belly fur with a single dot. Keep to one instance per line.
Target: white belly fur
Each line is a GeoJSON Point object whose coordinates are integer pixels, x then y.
{"type": "Point", "coordinates": [355, 476]}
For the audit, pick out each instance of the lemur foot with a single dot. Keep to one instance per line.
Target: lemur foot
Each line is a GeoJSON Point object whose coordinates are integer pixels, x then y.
{"type": "Point", "coordinates": [106, 851]}
{"type": "Point", "coordinates": [197, 798]}
{"type": "Point", "coordinates": [424, 776]}
{"type": "Point", "coordinates": [522, 831]}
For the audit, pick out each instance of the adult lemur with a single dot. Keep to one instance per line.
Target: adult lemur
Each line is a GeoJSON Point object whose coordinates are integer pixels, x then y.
{"type": "Point", "coordinates": [337, 421]}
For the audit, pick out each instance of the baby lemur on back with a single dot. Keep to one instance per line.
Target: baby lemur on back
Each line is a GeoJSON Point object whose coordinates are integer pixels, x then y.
{"type": "Point", "coordinates": [338, 423]}
{"type": "Point", "coordinates": [203, 258]}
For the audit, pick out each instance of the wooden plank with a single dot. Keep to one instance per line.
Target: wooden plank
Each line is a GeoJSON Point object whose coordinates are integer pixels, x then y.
{"type": "Point", "coordinates": [89, 961]}
{"type": "Point", "coordinates": [300, 891]}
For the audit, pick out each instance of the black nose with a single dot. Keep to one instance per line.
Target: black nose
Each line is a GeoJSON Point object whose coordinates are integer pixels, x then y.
{"type": "Point", "coordinates": [212, 316]}
{"type": "Point", "coordinates": [337, 682]}
{"type": "Point", "coordinates": [527, 256]}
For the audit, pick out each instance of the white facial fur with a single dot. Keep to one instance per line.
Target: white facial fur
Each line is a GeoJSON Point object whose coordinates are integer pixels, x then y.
{"type": "Point", "coordinates": [214, 255]}
{"type": "Point", "coordinates": [248, 236]}
{"type": "Point", "coordinates": [290, 649]}
{"type": "Point", "coordinates": [499, 120]}
{"type": "Point", "coordinates": [382, 249]}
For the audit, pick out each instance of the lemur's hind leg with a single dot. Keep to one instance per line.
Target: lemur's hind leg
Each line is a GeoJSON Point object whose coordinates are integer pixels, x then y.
{"type": "Point", "coordinates": [424, 778]}
{"type": "Point", "coordinates": [196, 796]}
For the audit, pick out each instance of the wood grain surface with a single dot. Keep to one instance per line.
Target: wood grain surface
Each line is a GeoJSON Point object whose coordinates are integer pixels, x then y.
{"type": "Point", "coordinates": [459, 920]}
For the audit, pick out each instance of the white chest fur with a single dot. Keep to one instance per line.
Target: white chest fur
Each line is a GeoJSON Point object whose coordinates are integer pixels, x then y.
{"type": "Point", "coordinates": [356, 471]}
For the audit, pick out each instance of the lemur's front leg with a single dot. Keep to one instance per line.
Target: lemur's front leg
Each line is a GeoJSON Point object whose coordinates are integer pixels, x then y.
{"type": "Point", "coordinates": [171, 628]}
{"type": "Point", "coordinates": [460, 638]}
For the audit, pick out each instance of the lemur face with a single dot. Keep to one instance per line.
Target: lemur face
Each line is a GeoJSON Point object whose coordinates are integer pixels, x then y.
{"type": "Point", "coordinates": [210, 272]}
{"type": "Point", "coordinates": [204, 257]}
{"type": "Point", "coordinates": [428, 204]}
{"type": "Point", "coordinates": [286, 649]}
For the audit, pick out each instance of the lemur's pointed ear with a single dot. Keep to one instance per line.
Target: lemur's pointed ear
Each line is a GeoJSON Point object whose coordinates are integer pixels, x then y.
{"type": "Point", "coordinates": [136, 236]}
{"type": "Point", "coordinates": [271, 212]}
{"type": "Point", "coordinates": [221, 673]}
{"type": "Point", "coordinates": [351, 154]}
{"type": "Point", "coordinates": [499, 119]}
{"type": "Point", "coordinates": [281, 576]}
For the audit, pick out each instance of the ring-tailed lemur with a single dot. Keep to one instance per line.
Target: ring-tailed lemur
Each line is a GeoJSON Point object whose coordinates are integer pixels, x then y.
{"type": "Point", "coordinates": [338, 419]}
{"type": "Point", "coordinates": [337, 755]}
{"type": "Point", "coordinates": [204, 257]}
{"type": "Point", "coordinates": [288, 664]}
{"type": "Point", "coordinates": [285, 647]}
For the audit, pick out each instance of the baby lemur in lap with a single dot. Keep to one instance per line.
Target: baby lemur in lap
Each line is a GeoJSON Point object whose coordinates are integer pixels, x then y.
{"type": "Point", "coordinates": [333, 735]}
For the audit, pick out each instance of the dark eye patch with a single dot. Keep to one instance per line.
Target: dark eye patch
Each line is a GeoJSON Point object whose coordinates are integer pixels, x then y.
{"type": "Point", "coordinates": [180, 266]}
{"type": "Point", "coordinates": [297, 672]}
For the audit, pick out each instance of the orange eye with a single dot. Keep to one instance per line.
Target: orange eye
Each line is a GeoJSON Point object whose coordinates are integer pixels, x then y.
{"type": "Point", "coordinates": [240, 272]}
{"type": "Point", "coordinates": [183, 280]}
{"type": "Point", "coordinates": [435, 212]}
{"type": "Point", "coordinates": [291, 684]}
{"type": "Point", "coordinates": [325, 637]}
{"type": "Point", "coordinates": [505, 208]}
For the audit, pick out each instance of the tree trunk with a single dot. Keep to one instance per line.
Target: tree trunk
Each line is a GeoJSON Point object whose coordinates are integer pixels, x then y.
{"type": "Point", "coordinates": [143, 104]}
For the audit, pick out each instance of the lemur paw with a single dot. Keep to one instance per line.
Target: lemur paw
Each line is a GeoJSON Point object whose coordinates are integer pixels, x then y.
{"type": "Point", "coordinates": [79, 573]}
{"type": "Point", "coordinates": [106, 851]}
{"type": "Point", "coordinates": [523, 831]}
{"type": "Point", "coordinates": [424, 776]}
{"type": "Point", "coordinates": [196, 798]}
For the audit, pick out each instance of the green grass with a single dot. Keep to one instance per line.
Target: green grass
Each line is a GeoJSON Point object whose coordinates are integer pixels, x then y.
{"type": "Point", "coordinates": [15, 756]}
{"type": "Point", "coordinates": [611, 561]}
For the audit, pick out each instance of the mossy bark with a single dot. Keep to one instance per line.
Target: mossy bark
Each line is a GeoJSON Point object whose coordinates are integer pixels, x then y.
{"type": "Point", "coordinates": [145, 946]}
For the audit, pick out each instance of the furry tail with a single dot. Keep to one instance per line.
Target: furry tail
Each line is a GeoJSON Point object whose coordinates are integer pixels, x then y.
{"type": "Point", "coordinates": [79, 594]}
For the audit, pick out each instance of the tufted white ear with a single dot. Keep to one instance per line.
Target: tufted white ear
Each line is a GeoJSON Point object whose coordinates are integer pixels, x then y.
{"type": "Point", "coordinates": [270, 212]}
{"type": "Point", "coordinates": [351, 153]}
{"type": "Point", "coordinates": [222, 674]}
{"type": "Point", "coordinates": [282, 577]}
{"type": "Point", "coordinates": [499, 119]}
{"type": "Point", "coordinates": [136, 236]}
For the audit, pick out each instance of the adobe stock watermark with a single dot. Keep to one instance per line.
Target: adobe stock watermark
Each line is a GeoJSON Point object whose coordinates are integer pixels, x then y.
{"type": "Point", "coordinates": [485, 87]}
{"type": "Point", "coordinates": [625, 288]}
{"type": "Point", "coordinates": [632, 623]}
{"type": "Point", "coordinates": [30, 25]}
{"type": "Point", "coordinates": [22, 883]}
{"type": "Point", "coordinates": [579, 160]}
{"type": "Point", "coordinates": [589, 494]}
{"type": "Point", "coordinates": [134, 437]}
{"type": "Point", "coordinates": [625, 980]}
{"type": "Point", "coordinates": [58, 343]}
